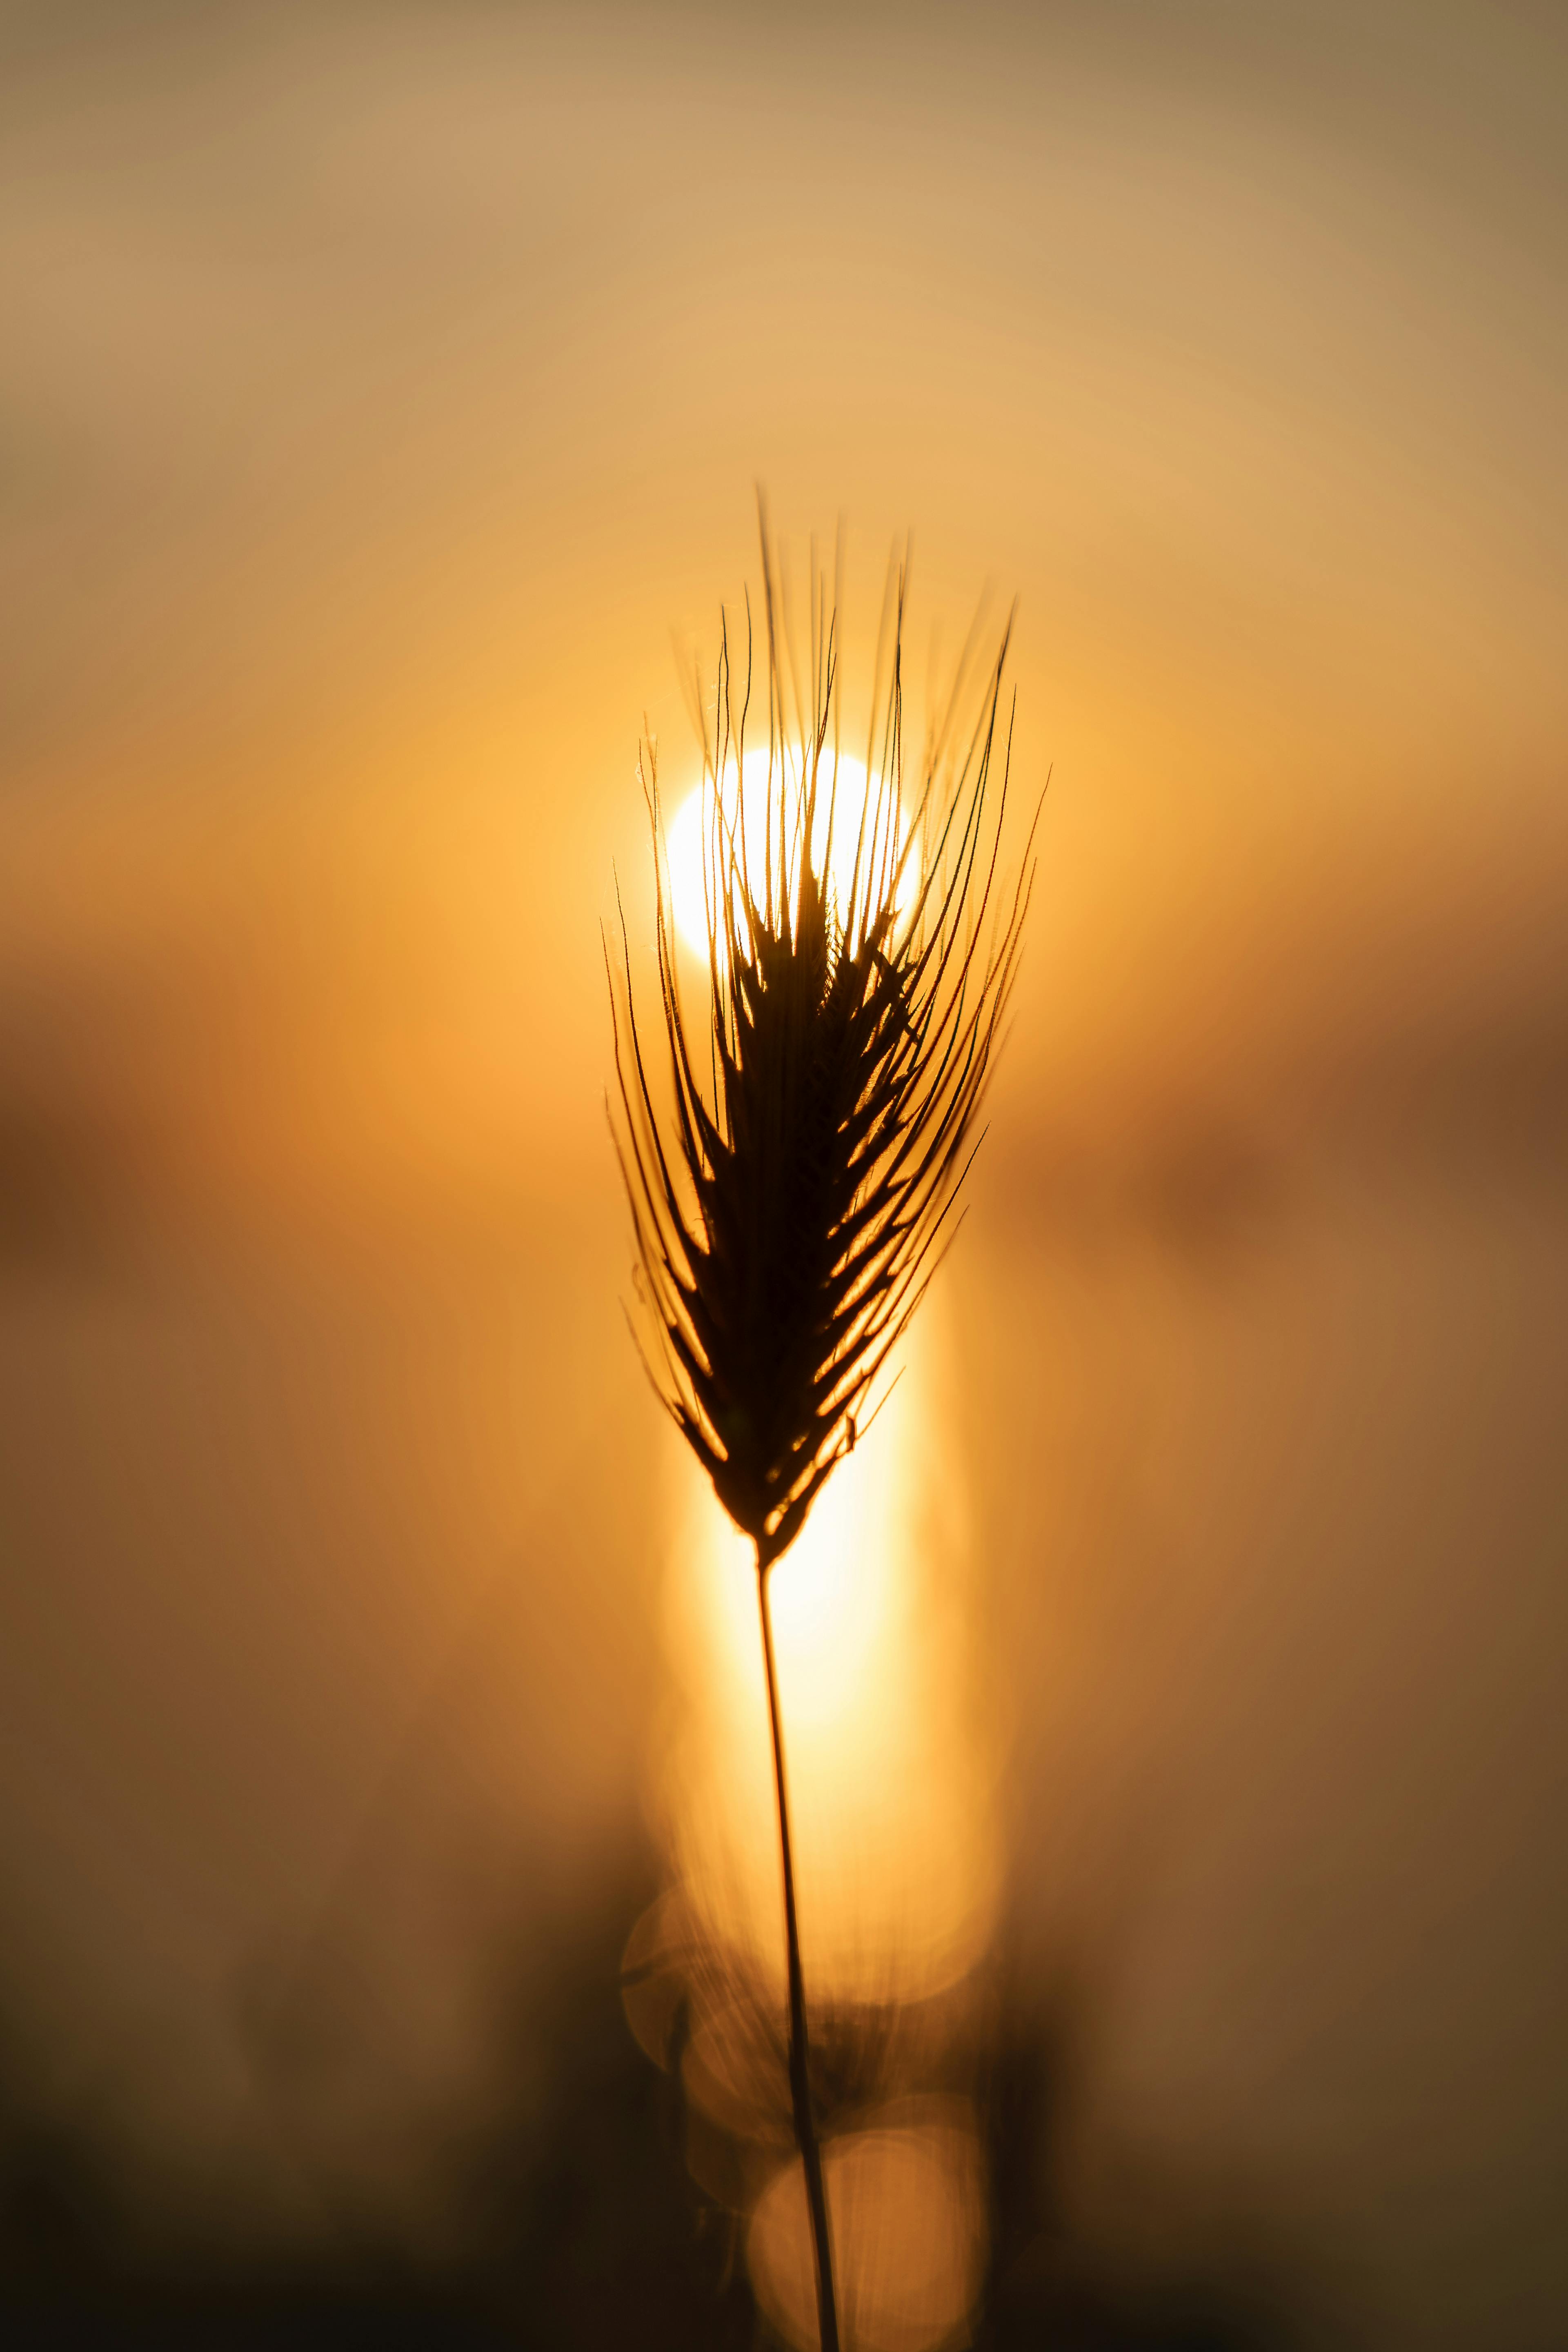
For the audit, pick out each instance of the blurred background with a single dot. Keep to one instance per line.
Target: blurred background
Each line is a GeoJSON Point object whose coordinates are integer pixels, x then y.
{"type": "Point", "coordinates": [379, 387]}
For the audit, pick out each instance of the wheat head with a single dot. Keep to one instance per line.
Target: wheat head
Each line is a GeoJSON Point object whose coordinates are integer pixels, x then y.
{"type": "Point", "coordinates": [791, 1197]}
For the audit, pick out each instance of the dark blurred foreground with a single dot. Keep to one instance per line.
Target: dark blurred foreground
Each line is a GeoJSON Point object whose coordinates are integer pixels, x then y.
{"type": "Point", "coordinates": [567, 2215]}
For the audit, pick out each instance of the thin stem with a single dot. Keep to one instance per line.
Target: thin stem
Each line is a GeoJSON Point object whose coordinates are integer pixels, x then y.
{"type": "Point", "coordinates": [799, 2048]}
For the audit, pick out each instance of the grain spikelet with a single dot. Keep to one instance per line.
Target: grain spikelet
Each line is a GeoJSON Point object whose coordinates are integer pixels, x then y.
{"type": "Point", "coordinates": [792, 1199]}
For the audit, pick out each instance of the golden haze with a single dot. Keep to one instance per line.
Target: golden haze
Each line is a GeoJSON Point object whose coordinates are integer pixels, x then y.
{"type": "Point", "coordinates": [378, 387]}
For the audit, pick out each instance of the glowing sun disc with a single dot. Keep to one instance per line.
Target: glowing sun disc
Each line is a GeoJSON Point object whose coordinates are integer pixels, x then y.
{"type": "Point", "coordinates": [854, 799]}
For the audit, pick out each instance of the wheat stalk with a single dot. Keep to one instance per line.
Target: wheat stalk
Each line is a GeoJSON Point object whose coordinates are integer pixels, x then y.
{"type": "Point", "coordinates": [793, 1201]}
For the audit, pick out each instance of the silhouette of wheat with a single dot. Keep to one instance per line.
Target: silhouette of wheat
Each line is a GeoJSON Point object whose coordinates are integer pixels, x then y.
{"type": "Point", "coordinates": [792, 1166]}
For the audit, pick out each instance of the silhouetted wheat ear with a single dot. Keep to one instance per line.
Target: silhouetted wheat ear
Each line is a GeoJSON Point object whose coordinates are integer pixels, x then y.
{"type": "Point", "coordinates": [792, 1199]}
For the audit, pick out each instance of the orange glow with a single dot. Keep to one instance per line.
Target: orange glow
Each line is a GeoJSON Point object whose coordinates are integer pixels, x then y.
{"type": "Point", "coordinates": [906, 2196]}
{"type": "Point", "coordinates": [890, 1778]}
{"type": "Point", "coordinates": [382, 388]}
{"type": "Point", "coordinates": [851, 836]}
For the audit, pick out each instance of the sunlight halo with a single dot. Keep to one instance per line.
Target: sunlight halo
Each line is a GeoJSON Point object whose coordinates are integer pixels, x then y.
{"type": "Point", "coordinates": [687, 838]}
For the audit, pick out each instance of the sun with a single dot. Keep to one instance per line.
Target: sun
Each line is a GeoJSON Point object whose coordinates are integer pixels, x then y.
{"type": "Point", "coordinates": [852, 808]}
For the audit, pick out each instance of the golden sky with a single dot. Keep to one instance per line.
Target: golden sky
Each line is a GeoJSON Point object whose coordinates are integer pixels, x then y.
{"type": "Point", "coordinates": [380, 389]}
